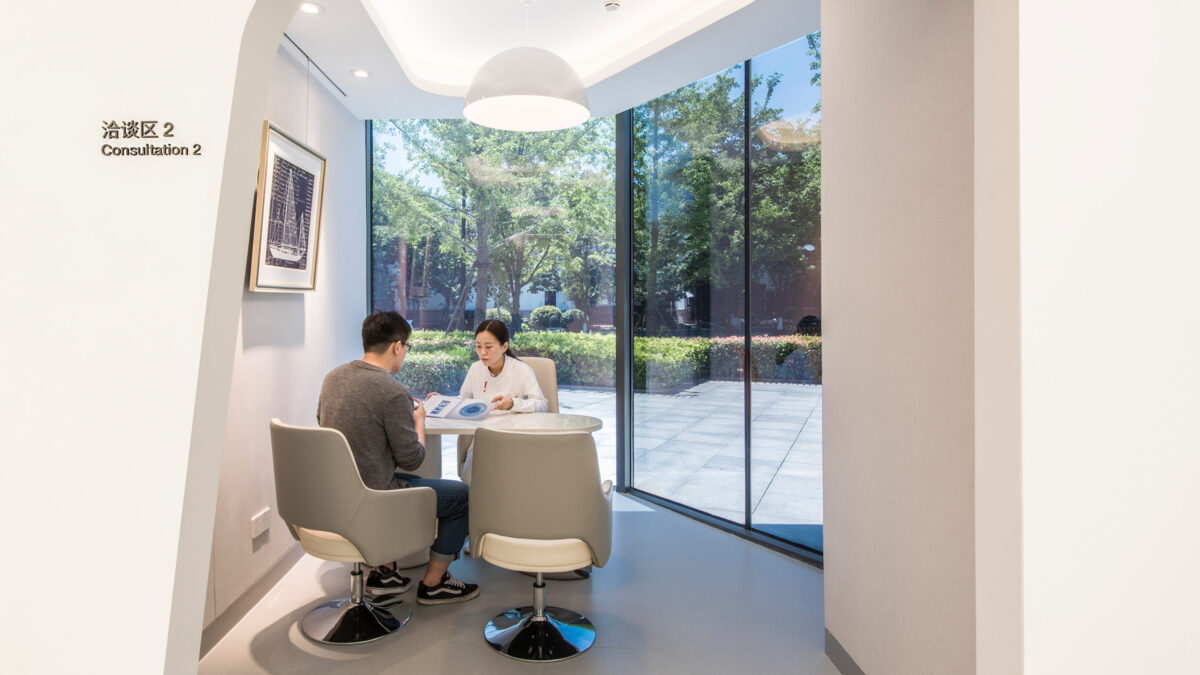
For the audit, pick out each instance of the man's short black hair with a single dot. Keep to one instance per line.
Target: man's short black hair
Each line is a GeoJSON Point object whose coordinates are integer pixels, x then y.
{"type": "Point", "coordinates": [381, 329]}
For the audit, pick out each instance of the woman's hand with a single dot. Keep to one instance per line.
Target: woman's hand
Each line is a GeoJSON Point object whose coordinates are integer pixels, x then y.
{"type": "Point", "coordinates": [506, 402]}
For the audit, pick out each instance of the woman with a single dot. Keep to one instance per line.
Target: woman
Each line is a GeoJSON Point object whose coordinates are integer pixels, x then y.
{"type": "Point", "coordinates": [499, 377]}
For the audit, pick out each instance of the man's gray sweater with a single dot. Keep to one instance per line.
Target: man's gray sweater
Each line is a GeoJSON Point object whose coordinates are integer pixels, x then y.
{"type": "Point", "coordinates": [375, 413]}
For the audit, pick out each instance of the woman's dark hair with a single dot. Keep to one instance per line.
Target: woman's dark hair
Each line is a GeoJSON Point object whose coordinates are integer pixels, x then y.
{"type": "Point", "coordinates": [499, 331]}
{"type": "Point", "coordinates": [381, 329]}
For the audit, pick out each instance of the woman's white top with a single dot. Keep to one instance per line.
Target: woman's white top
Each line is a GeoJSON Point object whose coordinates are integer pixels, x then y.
{"type": "Point", "coordinates": [516, 379]}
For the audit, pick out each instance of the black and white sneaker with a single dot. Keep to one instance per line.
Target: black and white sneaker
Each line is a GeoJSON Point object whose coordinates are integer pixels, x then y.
{"type": "Point", "coordinates": [448, 590]}
{"type": "Point", "coordinates": [387, 582]}
{"type": "Point", "coordinates": [383, 601]}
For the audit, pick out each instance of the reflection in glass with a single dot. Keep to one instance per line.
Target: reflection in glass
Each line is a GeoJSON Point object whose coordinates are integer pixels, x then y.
{"type": "Point", "coordinates": [785, 293]}
{"type": "Point", "coordinates": [690, 292]}
{"type": "Point", "coordinates": [688, 305]}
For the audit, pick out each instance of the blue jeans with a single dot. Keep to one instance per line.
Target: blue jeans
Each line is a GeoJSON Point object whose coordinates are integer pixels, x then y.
{"type": "Point", "coordinates": [452, 511]}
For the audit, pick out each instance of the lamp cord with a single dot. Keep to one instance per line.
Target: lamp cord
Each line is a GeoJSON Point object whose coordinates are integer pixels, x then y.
{"type": "Point", "coordinates": [307, 93]}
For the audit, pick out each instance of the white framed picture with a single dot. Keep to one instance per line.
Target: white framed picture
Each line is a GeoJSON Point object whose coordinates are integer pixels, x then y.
{"type": "Point", "coordinates": [287, 214]}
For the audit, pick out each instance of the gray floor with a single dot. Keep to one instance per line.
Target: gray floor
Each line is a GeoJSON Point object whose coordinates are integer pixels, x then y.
{"type": "Point", "coordinates": [689, 448]}
{"type": "Point", "coordinates": [676, 597]}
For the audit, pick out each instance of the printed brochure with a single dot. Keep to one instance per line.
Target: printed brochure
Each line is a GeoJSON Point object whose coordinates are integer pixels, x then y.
{"type": "Point", "coordinates": [457, 408]}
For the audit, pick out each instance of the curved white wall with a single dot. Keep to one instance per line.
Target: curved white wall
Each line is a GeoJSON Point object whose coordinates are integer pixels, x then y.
{"type": "Point", "coordinates": [120, 282]}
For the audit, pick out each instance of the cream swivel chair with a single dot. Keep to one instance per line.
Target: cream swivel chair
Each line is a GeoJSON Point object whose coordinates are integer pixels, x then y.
{"type": "Point", "coordinates": [334, 516]}
{"type": "Point", "coordinates": [537, 506]}
{"type": "Point", "coordinates": [547, 378]}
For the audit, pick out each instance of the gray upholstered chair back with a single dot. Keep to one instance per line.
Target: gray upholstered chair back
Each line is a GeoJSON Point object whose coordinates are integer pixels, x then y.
{"type": "Point", "coordinates": [317, 487]}
{"type": "Point", "coordinates": [547, 378]}
{"type": "Point", "coordinates": [540, 485]}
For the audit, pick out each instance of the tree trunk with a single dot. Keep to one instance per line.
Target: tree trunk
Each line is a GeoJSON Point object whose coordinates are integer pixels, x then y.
{"type": "Point", "coordinates": [516, 303]}
{"type": "Point", "coordinates": [402, 276]}
{"type": "Point", "coordinates": [653, 322]}
{"type": "Point", "coordinates": [423, 302]}
{"type": "Point", "coordinates": [459, 308]}
{"type": "Point", "coordinates": [483, 268]}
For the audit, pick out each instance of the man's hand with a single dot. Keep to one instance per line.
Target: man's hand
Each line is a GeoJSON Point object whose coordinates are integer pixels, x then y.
{"type": "Point", "coordinates": [506, 402]}
{"type": "Point", "coordinates": [418, 414]}
{"type": "Point", "coordinates": [431, 395]}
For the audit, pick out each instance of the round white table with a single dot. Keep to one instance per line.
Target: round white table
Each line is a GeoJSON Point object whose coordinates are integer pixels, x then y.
{"type": "Point", "coordinates": [435, 428]}
{"type": "Point", "coordinates": [541, 421]}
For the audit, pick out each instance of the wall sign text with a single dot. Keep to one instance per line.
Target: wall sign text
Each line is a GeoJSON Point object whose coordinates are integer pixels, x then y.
{"type": "Point", "coordinates": [151, 134]}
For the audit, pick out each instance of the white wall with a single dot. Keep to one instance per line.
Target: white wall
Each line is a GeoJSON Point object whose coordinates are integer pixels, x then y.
{"type": "Point", "coordinates": [119, 280]}
{"type": "Point", "coordinates": [1110, 375]}
{"type": "Point", "coordinates": [899, 334]}
{"type": "Point", "coordinates": [286, 342]}
{"type": "Point", "coordinates": [998, 597]}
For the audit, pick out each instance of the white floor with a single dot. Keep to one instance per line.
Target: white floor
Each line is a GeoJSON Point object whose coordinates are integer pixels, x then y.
{"type": "Point", "coordinates": [676, 597]}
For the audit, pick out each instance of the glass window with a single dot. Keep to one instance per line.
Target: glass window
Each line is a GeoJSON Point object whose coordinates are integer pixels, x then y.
{"type": "Point", "coordinates": [467, 220]}
{"type": "Point", "coordinates": [691, 288]}
{"type": "Point", "coordinates": [785, 292]}
{"type": "Point", "coordinates": [688, 304]}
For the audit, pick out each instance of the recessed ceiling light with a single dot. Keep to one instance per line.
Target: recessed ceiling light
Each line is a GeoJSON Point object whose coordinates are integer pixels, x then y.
{"type": "Point", "coordinates": [612, 5]}
{"type": "Point", "coordinates": [360, 73]}
{"type": "Point", "coordinates": [311, 8]}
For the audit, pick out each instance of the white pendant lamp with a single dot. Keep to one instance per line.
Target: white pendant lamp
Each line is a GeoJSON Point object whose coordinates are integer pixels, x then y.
{"type": "Point", "coordinates": [526, 89]}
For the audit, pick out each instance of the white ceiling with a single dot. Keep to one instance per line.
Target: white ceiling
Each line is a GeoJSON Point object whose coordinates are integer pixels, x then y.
{"type": "Point", "coordinates": [422, 53]}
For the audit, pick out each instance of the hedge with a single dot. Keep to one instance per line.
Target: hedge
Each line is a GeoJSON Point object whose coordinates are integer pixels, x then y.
{"type": "Point", "coordinates": [425, 373]}
{"type": "Point", "coordinates": [573, 319]}
{"type": "Point", "coordinates": [546, 316]}
{"type": "Point", "coordinates": [438, 361]}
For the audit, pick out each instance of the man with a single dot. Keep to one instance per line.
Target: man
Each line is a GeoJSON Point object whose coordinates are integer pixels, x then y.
{"type": "Point", "coordinates": [386, 431]}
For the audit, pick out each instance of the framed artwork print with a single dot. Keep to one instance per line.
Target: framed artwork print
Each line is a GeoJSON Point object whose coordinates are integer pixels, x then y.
{"type": "Point", "coordinates": [287, 214]}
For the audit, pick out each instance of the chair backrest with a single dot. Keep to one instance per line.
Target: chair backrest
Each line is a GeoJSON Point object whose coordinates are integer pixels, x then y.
{"type": "Point", "coordinates": [547, 377]}
{"type": "Point", "coordinates": [317, 485]}
{"type": "Point", "coordinates": [539, 485]}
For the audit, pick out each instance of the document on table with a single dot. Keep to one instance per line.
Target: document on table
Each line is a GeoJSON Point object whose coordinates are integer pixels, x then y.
{"type": "Point", "coordinates": [457, 408]}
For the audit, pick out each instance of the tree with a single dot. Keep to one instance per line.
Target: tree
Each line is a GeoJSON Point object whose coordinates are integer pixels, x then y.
{"type": "Point", "coordinates": [498, 203]}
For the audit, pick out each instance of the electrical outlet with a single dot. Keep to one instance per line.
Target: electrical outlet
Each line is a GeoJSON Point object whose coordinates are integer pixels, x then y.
{"type": "Point", "coordinates": [260, 522]}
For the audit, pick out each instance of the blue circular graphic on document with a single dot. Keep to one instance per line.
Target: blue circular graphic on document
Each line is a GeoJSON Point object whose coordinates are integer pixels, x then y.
{"type": "Point", "coordinates": [472, 409]}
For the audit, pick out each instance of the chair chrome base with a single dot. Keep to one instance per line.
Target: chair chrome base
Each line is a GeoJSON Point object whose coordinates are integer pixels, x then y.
{"type": "Point", "coordinates": [558, 635]}
{"type": "Point", "coordinates": [343, 622]}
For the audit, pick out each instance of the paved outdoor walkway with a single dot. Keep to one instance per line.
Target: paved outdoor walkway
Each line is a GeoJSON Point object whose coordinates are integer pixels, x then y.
{"type": "Point", "coordinates": [688, 447]}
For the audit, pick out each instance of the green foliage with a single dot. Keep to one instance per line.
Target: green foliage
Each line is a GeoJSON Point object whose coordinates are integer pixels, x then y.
{"type": "Point", "coordinates": [425, 373]}
{"type": "Point", "coordinates": [768, 354]}
{"type": "Point", "coordinates": [546, 316]}
{"type": "Point", "coordinates": [504, 315]}
{"type": "Point", "coordinates": [689, 198]}
{"type": "Point", "coordinates": [498, 213]}
{"type": "Point", "coordinates": [580, 358]}
{"type": "Point", "coordinates": [438, 361]}
{"type": "Point", "coordinates": [573, 319]}
{"type": "Point", "coordinates": [460, 344]}
{"type": "Point", "coordinates": [802, 365]}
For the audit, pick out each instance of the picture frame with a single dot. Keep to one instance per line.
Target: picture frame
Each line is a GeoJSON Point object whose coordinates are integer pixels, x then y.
{"type": "Point", "coordinates": [287, 214]}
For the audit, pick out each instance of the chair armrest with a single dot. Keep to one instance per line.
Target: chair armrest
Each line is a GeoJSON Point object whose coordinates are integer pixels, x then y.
{"type": "Point", "coordinates": [392, 524]}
